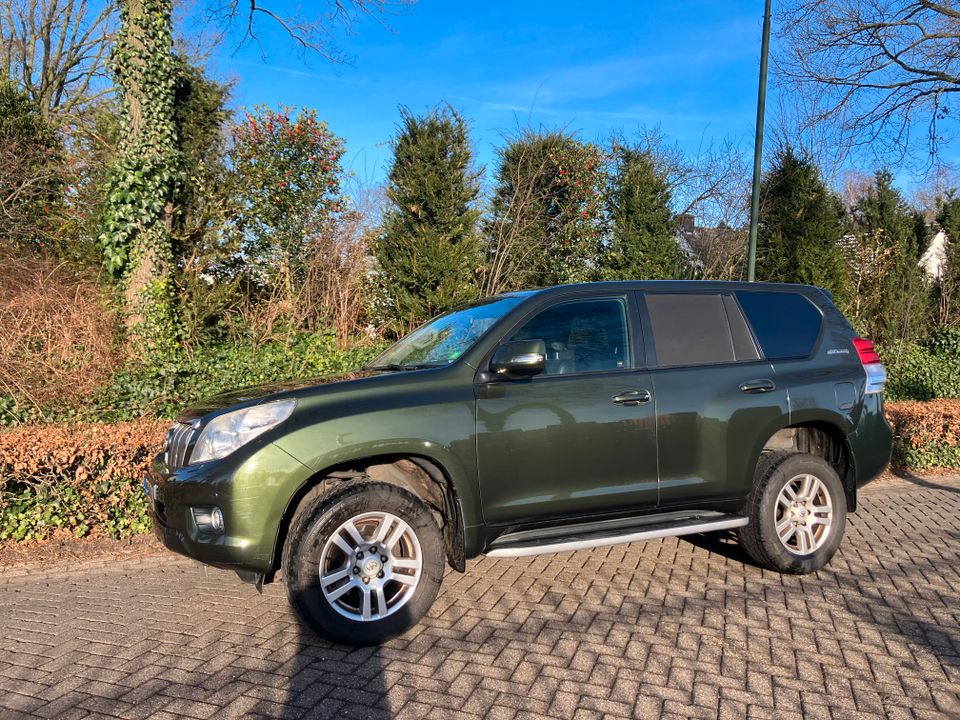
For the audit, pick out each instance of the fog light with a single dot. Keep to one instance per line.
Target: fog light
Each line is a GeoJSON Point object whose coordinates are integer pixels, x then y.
{"type": "Point", "coordinates": [216, 519]}
{"type": "Point", "coordinates": [209, 520]}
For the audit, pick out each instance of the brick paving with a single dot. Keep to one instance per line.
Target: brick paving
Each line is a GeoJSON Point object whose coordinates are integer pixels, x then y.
{"type": "Point", "coordinates": [675, 628]}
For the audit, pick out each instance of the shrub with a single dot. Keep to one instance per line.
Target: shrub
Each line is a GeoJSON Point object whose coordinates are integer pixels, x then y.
{"type": "Point", "coordinates": [926, 434]}
{"type": "Point", "coordinates": [162, 390]}
{"type": "Point", "coordinates": [59, 338]}
{"type": "Point", "coordinates": [82, 478]}
{"type": "Point", "coordinates": [927, 370]}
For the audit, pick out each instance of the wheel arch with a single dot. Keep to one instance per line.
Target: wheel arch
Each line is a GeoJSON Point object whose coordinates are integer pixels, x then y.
{"type": "Point", "coordinates": [423, 476]}
{"type": "Point", "coordinates": [825, 439]}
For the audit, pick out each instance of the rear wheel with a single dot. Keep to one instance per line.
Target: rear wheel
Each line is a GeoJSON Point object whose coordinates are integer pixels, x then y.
{"type": "Point", "coordinates": [363, 565]}
{"type": "Point", "coordinates": [797, 513]}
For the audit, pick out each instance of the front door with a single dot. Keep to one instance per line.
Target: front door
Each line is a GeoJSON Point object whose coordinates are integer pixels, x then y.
{"type": "Point", "coordinates": [578, 439]}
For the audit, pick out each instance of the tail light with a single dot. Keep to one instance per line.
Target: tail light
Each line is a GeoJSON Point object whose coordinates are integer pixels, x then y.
{"type": "Point", "coordinates": [876, 373]}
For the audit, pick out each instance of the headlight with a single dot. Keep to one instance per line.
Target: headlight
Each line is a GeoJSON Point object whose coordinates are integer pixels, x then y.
{"type": "Point", "coordinates": [226, 433]}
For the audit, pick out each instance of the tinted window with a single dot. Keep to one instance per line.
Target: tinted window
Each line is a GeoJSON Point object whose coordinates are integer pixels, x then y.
{"type": "Point", "coordinates": [690, 329]}
{"type": "Point", "coordinates": [786, 324]}
{"type": "Point", "coordinates": [581, 336]}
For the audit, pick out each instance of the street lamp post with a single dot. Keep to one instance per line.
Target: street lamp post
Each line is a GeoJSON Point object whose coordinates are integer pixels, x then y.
{"type": "Point", "coordinates": [758, 147]}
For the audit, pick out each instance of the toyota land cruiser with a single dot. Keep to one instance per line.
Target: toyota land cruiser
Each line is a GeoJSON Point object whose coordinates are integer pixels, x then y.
{"type": "Point", "coordinates": [534, 422]}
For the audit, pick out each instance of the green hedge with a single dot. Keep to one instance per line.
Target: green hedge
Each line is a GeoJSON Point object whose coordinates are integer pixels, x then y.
{"type": "Point", "coordinates": [927, 370]}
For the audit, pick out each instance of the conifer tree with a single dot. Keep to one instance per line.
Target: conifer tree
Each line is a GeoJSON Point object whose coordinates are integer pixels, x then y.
{"type": "Point", "coordinates": [801, 226]}
{"type": "Point", "coordinates": [643, 242]}
{"type": "Point", "coordinates": [428, 249]}
{"type": "Point", "coordinates": [898, 311]}
{"type": "Point", "coordinates": [948, 286]}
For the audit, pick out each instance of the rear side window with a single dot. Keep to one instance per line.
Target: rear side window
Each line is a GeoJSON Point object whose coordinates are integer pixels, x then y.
{"type": "Point", "coordinates": [697, 329]}
{"type": "Point", "coordinates": [785, 324]}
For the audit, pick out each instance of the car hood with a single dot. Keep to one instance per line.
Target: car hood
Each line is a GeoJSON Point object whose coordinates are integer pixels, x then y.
{"type": "Point", "coordinates": [245, 397]}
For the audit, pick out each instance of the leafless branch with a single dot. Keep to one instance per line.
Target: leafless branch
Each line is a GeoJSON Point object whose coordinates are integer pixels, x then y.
{"type": "Point", "coordinates": [874, 70]}
{"type": "Point", "coordinates": [58, 51]}
{"type": "Point", "coordinates": [313, 32]}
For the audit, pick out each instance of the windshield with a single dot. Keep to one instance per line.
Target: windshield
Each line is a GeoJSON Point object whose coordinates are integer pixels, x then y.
{"type": "Point", "coordinates": [446, 337]}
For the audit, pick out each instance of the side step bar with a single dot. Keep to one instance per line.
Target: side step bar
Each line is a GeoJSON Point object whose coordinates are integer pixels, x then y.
{"type": "Point", "coordinates": [527, 547]}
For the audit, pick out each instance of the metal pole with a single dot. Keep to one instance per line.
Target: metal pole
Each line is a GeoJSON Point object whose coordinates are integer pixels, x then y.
{"type": "Point", "coordinates": [758, 147]}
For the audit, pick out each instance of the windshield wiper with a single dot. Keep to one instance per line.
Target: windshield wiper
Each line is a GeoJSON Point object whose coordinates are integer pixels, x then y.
{"type": "Point", "coordinates": [395, 367]}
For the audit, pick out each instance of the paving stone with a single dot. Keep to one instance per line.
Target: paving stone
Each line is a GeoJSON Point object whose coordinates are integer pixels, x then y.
{"type": "Point", "coordinates": [679, 628]}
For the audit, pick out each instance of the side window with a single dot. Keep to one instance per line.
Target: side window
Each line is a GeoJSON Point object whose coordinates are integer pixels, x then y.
{"type": "Point", "coordinates": [581, 336]}
{"type": "Point", "coordinates": [698, 329]}
{"type": "Point", "coordinates": [786, 324]}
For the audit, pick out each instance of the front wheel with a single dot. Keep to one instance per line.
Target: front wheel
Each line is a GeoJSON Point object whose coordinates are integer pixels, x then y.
{"type": "Point", "coordinates": [364, 564]}
{"type": "Point", "coordinates": [797, 512]}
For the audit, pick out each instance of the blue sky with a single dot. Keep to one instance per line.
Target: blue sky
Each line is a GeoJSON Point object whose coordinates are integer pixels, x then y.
{"type": "Point", "coordinates": [595, 67]}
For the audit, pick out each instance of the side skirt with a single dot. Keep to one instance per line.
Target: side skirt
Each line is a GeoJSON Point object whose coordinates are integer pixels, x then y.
{"type": "Point", "coordinates": [582, 537]}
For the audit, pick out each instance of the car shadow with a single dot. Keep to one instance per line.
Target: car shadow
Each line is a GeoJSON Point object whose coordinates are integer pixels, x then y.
{"type": "Point", "coordinates": [915, 479]}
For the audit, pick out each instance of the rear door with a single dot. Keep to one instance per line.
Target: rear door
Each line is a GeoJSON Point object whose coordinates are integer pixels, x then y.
{"type": "Point", "coordinates": [717, 401]}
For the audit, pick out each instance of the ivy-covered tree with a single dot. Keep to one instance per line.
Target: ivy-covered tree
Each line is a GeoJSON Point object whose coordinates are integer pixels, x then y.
{"type": "Point", "coordinates": [137, 224]}
{"type": "Point", "coordinates": [643, 243]}
{"type": "Point", "coordinates": [428, 250]}
{"type": "Point", "coordinates": [800, 227]}
{"type": "Point", "coordinates": [896, 309]}
{"type": "Point", "coordinates": [545, 223]}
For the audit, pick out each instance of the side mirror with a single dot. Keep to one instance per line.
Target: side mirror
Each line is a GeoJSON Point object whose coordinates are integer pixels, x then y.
{"type": "Point", "coordinates": [519, 359]}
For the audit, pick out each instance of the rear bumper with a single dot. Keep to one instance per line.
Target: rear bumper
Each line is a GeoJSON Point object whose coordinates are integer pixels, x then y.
{"type": "Point", "coordinates": [871, 442]}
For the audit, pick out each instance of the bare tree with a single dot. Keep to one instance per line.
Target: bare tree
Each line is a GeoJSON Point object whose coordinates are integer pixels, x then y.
{"type": "Point", "coordinates": [58, 50]}
{"type": "Point", "coordinates": [313, 32]}
{"type": "Point", "coordinates": [875, 71]}
{"type": "Point", "coordinates": [710, 185]}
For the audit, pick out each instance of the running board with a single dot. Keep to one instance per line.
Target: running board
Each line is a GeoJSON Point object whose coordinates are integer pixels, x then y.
{"type": "Point", "coordinates": [511, 545]}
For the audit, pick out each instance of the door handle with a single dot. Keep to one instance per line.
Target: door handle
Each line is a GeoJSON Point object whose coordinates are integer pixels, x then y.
{"type": "Point", "coordinates": [758, 386]}
{"type": "Point", "coordinates": [632, 397]}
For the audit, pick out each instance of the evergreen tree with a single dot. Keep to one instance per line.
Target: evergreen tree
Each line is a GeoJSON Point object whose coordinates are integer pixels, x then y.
{"type": "Point", "coordinates": [544, 226]}
{"type": "Point", "coordinates": [428, 249]}
{"type": "Point", "coordinates": [800, 227]}
{"type": "Point", "coordinates": [898, 310]}
{"type": "Point", "coordinates": [948, 286]}
{"type": "Point", "coordinates": [643, 242]}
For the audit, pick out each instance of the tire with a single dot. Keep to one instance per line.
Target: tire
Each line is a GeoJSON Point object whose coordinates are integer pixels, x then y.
{"type": "Point", "coordinates": [363, 598]}
{"type": "Point", "coordinates": [798, 533]}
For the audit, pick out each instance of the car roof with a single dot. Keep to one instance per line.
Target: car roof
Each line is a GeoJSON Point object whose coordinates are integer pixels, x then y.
{"type": "Point", "coordinates": [661, 285]}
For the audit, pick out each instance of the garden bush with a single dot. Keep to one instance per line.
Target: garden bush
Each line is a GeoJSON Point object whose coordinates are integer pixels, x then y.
{"type": "Point", "coordinates": [926, 434]}
{"type": "Point", "coordinates": [162, 390]}
{"type": "Point", "coordinates": [81, 479]}
{"type": "Point", "coordinates": [926, 370]}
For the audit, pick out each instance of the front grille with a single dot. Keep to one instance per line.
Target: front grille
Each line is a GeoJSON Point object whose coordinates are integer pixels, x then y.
{"type": "Point", "coordinates": [180, 439]}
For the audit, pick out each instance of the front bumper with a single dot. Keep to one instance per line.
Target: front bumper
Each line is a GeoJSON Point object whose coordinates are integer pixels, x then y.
{"type": "Point", "coordinates": [252, 492]}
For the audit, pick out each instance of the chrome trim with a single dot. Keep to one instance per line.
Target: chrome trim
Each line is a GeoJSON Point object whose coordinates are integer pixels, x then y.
{"type": "Point", "coordinates": [571, 545]}
{"type": "Point", "coordinates": [178, 443]}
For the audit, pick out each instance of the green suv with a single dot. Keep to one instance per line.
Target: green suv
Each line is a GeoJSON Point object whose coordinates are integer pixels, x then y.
{"type": "Point", "coordinates": [534, 422]}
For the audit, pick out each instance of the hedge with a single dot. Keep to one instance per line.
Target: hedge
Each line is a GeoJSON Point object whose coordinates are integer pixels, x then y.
{"type": "Point", "coordinates": [85, 479]}
{"type": "Point", "coordinates": [82, 479]}
{"type": "Point", "coordinates": [926, 434]}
